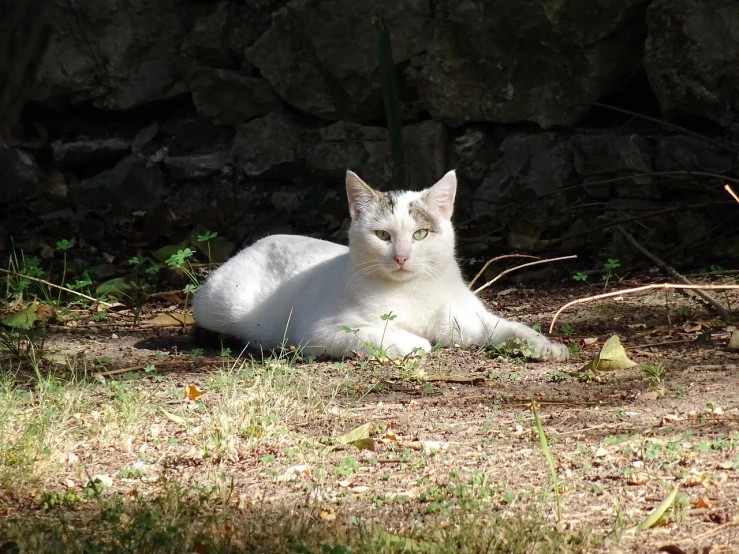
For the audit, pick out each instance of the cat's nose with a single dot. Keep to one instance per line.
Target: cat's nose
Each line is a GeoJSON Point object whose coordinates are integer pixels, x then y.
{"type": "Point", "coordinates": [400, 258]}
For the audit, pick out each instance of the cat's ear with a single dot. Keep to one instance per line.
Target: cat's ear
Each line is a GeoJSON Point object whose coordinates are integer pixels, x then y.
{"type": "Point", "coordinates": [359, 194]}
{"type": "Point", "coordinates": [442, 194]}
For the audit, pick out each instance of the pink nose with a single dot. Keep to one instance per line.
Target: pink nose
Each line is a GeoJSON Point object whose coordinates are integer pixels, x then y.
{"type": "Point", "coordinates": [400, 259]}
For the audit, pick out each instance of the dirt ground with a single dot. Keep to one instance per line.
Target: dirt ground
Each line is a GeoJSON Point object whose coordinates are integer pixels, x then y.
{"type": "Point", "coordinates": [620, 441]}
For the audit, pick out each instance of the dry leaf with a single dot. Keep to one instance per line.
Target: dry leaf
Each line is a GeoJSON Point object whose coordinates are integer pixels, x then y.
{"type": "Point", "coordinates": [168, 320]}
{"type": "Point", "coordinates": [639, 478]}
{"type": "Point", "coordinates": [175, 418]}
{"type": "Point", "coordinates": [193, 392]}
{"type": "Point", "coordinates": [328, 514]}
{"type": "Point", "coordinates": [293, 473]}
{"type": "Point", "coordinates": [702, 502]}
{"type": "Point", "coordinates": [389, 435]}
{"type": "Point", "coordinates": [358, 437]}
{"type": "Point", "coordinates": [694, 479]}
{"type": "Point", "coordinates": [611, 357]}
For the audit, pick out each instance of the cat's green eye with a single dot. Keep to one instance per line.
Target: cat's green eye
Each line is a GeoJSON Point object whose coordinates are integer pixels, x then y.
{"type": "Point", "coordinates": [382, 235]}
{"type": "Point", "coordinates": [421, 234]}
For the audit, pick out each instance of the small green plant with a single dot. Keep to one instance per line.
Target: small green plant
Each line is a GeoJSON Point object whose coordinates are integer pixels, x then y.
{"type": "Point", "coordinates": [181, 260]}
{"type": "Point", "coordinates": [515, 349]}
{"type": "Point", "coordinates": [580, 276]}
{"type": "Point", "coordinates": [566, 330]}
{"type": "Point", "coordinates": [206, 238]}
{"type": "Point", "coordinates": [655, 375]}
{"type": "Point", "coordinates": [718, 270]}
{"type": "Point", "coordinates": [610, 265]}
{"type": "Point", "coordinates": [62, 246]}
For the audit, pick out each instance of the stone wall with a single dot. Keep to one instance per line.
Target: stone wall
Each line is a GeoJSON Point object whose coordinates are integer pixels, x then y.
{"type": "Point", "coordinates": [247, 114]}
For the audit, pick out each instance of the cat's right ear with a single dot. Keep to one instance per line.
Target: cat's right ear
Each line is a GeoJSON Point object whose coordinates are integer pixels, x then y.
{"type": "Point", "coordinates": [359, 194]}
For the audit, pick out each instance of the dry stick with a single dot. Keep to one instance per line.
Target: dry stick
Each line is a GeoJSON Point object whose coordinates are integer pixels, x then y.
{"type": "Point", "coordinates": [723, 312]}
{"type": "Point", "coordinates": [710, 533]}
{"type": "Point", "coordinates": [554, 242]}
{"type": "Point", "coordinates": [112, 372]}
{"type": "Point", "coordinates": [638, 289]}
{"type": "Point", "coordinates": [731, 192]}
{"type": "Point", "coordinates": [48, 284]}
{"type": "Point", "coordinates": [668, 125]}
{"type": "Point", "coordinates": [486, 285]}
{"type": "Point", "coordinates": [495, 260]}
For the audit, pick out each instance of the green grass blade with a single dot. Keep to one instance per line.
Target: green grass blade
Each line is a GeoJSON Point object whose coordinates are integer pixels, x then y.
{"type": "Point", "coordinates": [392, 102]}
{"type": "Point", "coordinates": [659, 511]}
{"type": "Point", "coordinates": [548, 455]}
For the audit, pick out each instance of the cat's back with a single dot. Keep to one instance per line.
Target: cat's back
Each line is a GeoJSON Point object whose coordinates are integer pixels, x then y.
{"type": "Point", "coordinates": [240, 284]}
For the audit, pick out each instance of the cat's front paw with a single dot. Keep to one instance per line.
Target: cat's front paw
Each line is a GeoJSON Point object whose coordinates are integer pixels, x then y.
{"type": "Point", "coordinates": [553, 352]}
{"type": "Point", "coordinates": [400, 346]}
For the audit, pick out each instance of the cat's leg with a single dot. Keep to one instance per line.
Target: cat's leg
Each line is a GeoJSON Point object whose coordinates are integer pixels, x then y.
{"type": "Point", "coordinates": [471, 323]}
{"type": "Point", "coordinates": [336, 342]}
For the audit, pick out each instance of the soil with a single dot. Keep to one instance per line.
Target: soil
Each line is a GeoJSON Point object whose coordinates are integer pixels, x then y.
{"type": "Point", "coordinates": [619, 441]}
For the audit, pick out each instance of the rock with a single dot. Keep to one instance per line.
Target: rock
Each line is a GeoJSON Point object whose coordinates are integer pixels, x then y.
{"type": "Point", "coordinates": [536, 61]}
{"type": "Point", "coordinates": [287, 200]}
{"type": "Point", "coordinates": [527, 165]}
{"type": "Point", "coordinates": [144, 137]}
{"type": "Point", "coordinates": [426, 153]}
{"type": "Point", "coordinates": [207, 41]}
{"type": "Point", "coordinates": [470, 152]}
{"type": "Point", "coordinates": [278, 145]}
{"type": "Point", "coordinates": [603, 156]}
{"type": "Point", "coordinates": [88, 151]}
{"type": "Point", "coordinates": [19, 174]}
{"type": "Point", "coordinates": [734, 340]}
{"type": "Point", "coordinates": [118, 54]}
{"type": "Point", "coordinates": [133, 184]}
{"type": "Point", "coordinates": [365, 150]}
{"type": "Point", "coordinates": [195, 166]}
{"type": "Point", "coordinates": [320, 56]}
{"type": "Point", "coordinates": [193, 136]}
{"type": "Point", "coordinates": [275, 143]}
{"type": "Point", "coordinates": [229, 98]}
{"type": "Point", "coordinates": [691, 58]}
{"type": "Point", "coordinates": [680, 153]}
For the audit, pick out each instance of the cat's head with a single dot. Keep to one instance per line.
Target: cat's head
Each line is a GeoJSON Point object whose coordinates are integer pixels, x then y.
{"type": "Point", "coordinates": [401, 235]}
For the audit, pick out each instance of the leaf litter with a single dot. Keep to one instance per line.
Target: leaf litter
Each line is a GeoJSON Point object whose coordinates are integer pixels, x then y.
{"type": "Point", "coordinates": [445, 433]}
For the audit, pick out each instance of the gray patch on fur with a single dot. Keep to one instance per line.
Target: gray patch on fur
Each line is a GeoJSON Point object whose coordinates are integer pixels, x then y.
{"type": "Point", "coordinates": [386, 201]}
{"type": "Point", "coordinates": [419, 213]}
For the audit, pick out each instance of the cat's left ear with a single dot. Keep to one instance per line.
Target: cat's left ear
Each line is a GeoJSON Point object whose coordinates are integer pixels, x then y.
{"type": "Point", "coordinates": [360, 195]}
{"type": "Point", "coordinates": [442, 194]}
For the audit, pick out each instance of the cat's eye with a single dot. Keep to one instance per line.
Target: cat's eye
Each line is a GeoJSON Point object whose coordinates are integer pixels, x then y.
{"type": "Point", "coordinates": [382, 235]}
{"type": "Point", "coordinates": [421, 234]}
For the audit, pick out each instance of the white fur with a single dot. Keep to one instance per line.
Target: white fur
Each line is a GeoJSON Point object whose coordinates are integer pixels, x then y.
{"type": "Point", "coordinates": [304, 290]}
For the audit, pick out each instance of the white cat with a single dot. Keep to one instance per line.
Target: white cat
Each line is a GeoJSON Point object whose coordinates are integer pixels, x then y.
{"type": "Point", "coordinates": [306, 292]}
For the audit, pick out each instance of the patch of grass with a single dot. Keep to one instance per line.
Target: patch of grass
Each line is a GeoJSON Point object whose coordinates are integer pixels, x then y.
{"type": "Point", "coordinates": [514, 350]}
{"type": "Point", "coordinates": [190, 520]}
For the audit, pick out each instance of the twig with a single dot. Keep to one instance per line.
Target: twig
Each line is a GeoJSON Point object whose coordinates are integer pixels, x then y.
{"type": "Point", "coordinates": [486, 285]}
{"type": "Point", "coordinates": [668, 125]}
{"type": "Point", "coordinates": [137, 368]}
{"type": "Point", "coordinates": [638, 289]}
{"type": "Point", "coordinates": [48, 284]}
{"type": "Point", "coordinates": [666, 343]}
{"type": "Point", "coordinates": [710, 533]}
{"type": "Point", "coordinates": [731, 192]}
{"type": "Point", "coordinates": [554, 242]}
{"type": "Point", "coordinates": [495, 260]}
{"type": "Point", "coordinates": [723, 312]}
